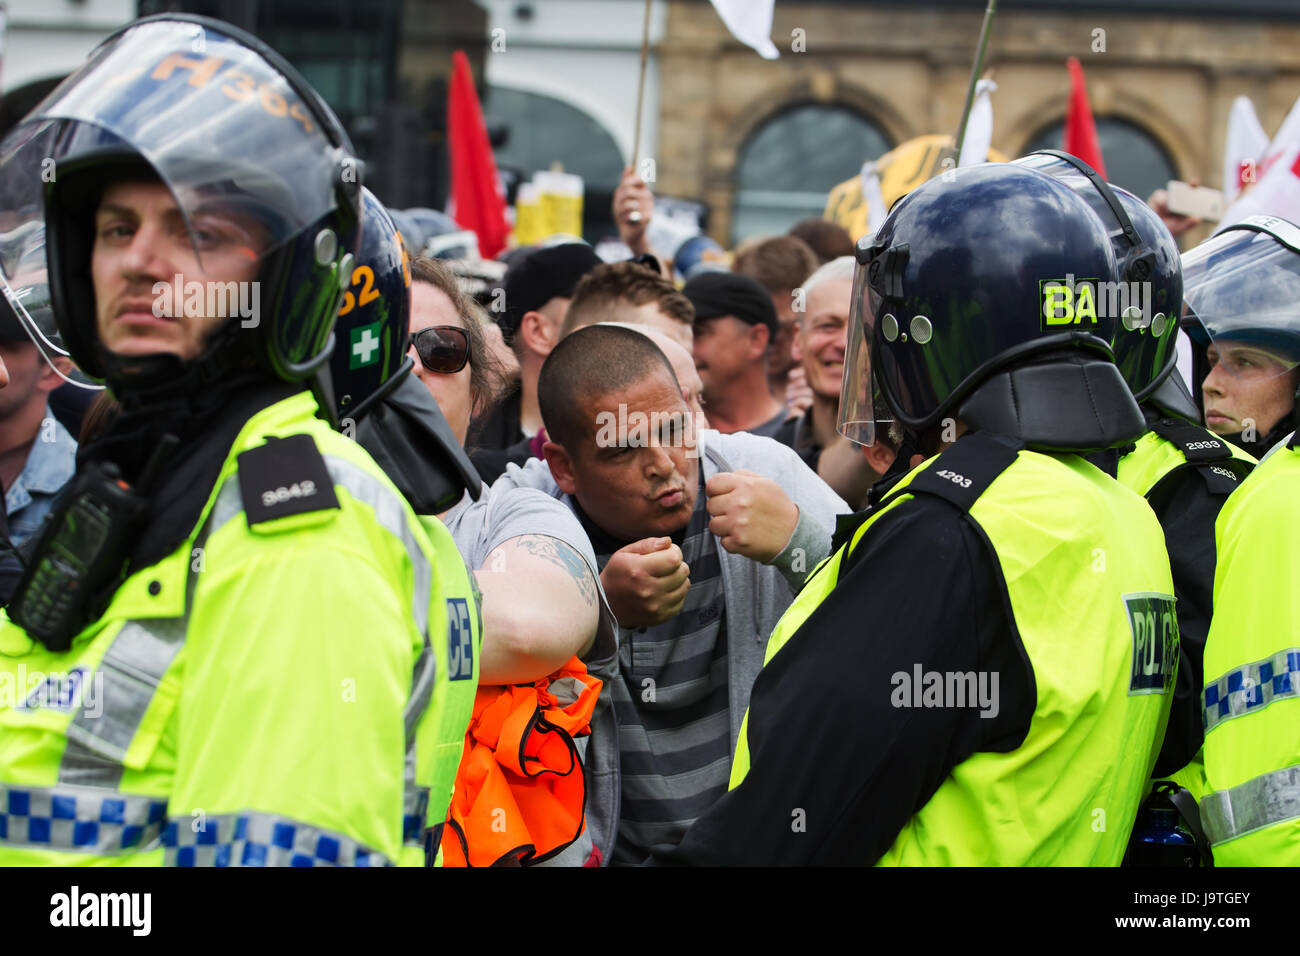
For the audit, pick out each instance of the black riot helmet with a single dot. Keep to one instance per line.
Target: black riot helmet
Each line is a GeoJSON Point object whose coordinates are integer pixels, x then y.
{"type": "Point", "coordinates": [976, 299]}
{"type": "Point", "coordinates": [258, 167]}
{"type": "Point", "coordinates": [380, 403]}
{"type": "Point", "coordinates": [1146, 295]}
{"type": "Point", "coordinates": [375, 316]}
{"type": "Point", "coordinates": [1243, 287]}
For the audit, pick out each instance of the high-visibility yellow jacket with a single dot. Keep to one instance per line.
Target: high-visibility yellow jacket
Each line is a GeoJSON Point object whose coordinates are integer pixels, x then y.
{"type": "Point", "coordinates": [1087, 581]}
{"type": "Point", "coordinates": [1251, 700]}
{"type": "Point", "coordinates": [261, 696]}
{"type": "Point", "coordinates": [1187, 510]}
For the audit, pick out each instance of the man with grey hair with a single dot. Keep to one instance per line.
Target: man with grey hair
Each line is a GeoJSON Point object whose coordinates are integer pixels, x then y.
{"type": "Point", "coordinates": [820, 341]}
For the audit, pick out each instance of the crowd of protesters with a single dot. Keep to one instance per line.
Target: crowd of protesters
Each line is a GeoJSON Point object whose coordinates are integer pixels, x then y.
{"type": "Point", "coordinates": [658, 491]}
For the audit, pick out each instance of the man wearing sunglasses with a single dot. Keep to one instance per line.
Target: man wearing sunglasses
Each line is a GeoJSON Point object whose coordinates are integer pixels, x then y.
{"type": "Point", "coordinates": [37, 453]}
{"type": "Point", "coordinates": [442, 359]}
{"type": "Point", "coordinates": [442, 348]}
{"type": "Point", "coordinates": [445, 361]}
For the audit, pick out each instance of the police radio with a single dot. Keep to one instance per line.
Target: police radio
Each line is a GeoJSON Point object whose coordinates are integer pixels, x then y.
{"type": "Point", "coordinates": [80, 556]}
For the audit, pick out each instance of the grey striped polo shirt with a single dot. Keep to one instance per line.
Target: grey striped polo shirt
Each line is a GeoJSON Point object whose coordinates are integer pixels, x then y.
{"type": "Point", "coordinates": [672, 701]}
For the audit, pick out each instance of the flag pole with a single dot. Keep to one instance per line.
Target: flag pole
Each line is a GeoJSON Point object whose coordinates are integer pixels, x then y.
{"type": "Point", "coordinates": [977, 68]}
{"type": "Point", "coordinates": [635, 215]}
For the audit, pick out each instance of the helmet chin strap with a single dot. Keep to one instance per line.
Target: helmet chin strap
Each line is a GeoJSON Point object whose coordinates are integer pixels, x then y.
{"type": "Point", "coordinates": [901, 465]}
{"type": "Point", "coordinates": [161, 379]}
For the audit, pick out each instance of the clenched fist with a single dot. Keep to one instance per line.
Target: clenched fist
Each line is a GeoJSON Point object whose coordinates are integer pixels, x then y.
{"type": "Point", "coordinates": [751, 515]}
{"type": "Point", "coordinates": [646, 582]}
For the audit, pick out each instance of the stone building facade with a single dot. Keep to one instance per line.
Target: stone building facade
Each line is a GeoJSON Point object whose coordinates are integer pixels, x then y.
{"type": "Point", "coordinates": [905, 68]}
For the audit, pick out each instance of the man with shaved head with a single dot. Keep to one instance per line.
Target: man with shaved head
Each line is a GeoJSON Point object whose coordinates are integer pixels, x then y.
{"type": "Point", "coordinates": [620, 292]}
{"type": "Point", "coordinates": [688, 376]}
{"type": "Point", "coordinates": [702, 540]}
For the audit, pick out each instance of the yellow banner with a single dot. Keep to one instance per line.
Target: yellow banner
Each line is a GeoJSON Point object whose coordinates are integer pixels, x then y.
{"type": "Point", "coordinates": [901, 170]}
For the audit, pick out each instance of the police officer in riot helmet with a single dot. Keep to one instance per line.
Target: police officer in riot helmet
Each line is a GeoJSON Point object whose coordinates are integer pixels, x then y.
{"type": "Point", "coordinates": [1184, 471]}
{"type": "Point", "coordinates": [201, 204]}
{"type": "Point", "coordinates": [1242, 287]}
{"type": "Point", "coordinates": [1242, 314]}
{"type": "Point", "coordinates": [999, 570]}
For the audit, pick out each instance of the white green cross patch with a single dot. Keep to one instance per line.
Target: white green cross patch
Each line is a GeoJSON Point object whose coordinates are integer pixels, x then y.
{"type": "Point", "coordinates": [364, 346]}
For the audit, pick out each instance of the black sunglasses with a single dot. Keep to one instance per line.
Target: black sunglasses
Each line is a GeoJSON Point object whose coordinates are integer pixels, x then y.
{"type": "Point", "coordinates": [442, 348]}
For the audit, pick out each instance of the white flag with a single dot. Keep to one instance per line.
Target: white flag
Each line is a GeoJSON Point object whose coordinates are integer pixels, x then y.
{"type": "Point", "coordinates": [750, 22]}
{"type": "Point", "coordinates": [1277, 188]}
{"type": "Point", "coordinates": [979, 127]}
{"type": "Point", "coordinates": [1243, 149]}
{"type": "Point", "coordinates": [876, 211]}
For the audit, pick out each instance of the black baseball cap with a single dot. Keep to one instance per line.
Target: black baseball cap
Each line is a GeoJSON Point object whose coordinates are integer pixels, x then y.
{"type": "Point", "coordinates": [539, 275]}
{"type": "Point", "coordinates": [728, 293]}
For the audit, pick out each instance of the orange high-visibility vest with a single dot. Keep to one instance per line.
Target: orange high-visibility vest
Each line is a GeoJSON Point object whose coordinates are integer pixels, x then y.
{"type": "Point", "coordinates": [520, 790]}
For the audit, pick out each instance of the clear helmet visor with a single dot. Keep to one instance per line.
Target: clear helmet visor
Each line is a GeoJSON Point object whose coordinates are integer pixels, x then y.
{"type": "Point", "coordinates": [858, 406]}
{"type": "Point", "coordinates": [25, 310]}
{"type": "Point", "coordinates": [193, 101]}
{"type": "Point", "coordinates": [246, 160]}
{"type": "Point", "coordinates": [1242, 300]}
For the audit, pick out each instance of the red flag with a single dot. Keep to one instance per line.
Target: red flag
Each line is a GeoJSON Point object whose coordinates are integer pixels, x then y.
{"type": "Point", "coordinates": [1276, 191]}
{"type": "Point", "coordinates": [477, 202]}
{"type": "Point", "coordinates": [1080, 131]}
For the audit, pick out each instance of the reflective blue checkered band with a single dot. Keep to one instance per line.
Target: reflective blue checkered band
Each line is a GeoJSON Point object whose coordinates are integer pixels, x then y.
{"type": "Point", "coordinates": [80, 820]}
{"type": "Point", "coordinates": [78, 815]}
{"type": "Point", "coordinates": [261, 839]}
{"type": "Point", "coordinates": [1268, 799]}
{"type": "Point", "coordinates": [1251, 688]}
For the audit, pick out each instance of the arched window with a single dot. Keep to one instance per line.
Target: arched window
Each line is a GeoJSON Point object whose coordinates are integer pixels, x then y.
{"type": "Point", "coordinates": [791, 162]}
{"type": "Point", "coordinates": [541, 130]}
{"type": "Point", "coordinates": [1134, 158]}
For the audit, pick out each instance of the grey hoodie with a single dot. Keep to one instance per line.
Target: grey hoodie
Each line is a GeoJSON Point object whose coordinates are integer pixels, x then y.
{"type": "Point", "coordinates": [756, 594]}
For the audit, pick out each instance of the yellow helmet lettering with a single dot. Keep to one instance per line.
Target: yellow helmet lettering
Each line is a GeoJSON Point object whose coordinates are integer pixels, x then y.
{"type": "Point", "coordinates": [1058, 304]}
{"type": "Point", "coordinates": [1085, 305]}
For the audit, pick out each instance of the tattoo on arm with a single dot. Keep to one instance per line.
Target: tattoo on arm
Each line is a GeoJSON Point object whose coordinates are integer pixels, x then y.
{"type": "Point", "coordinates": [563, 556]}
